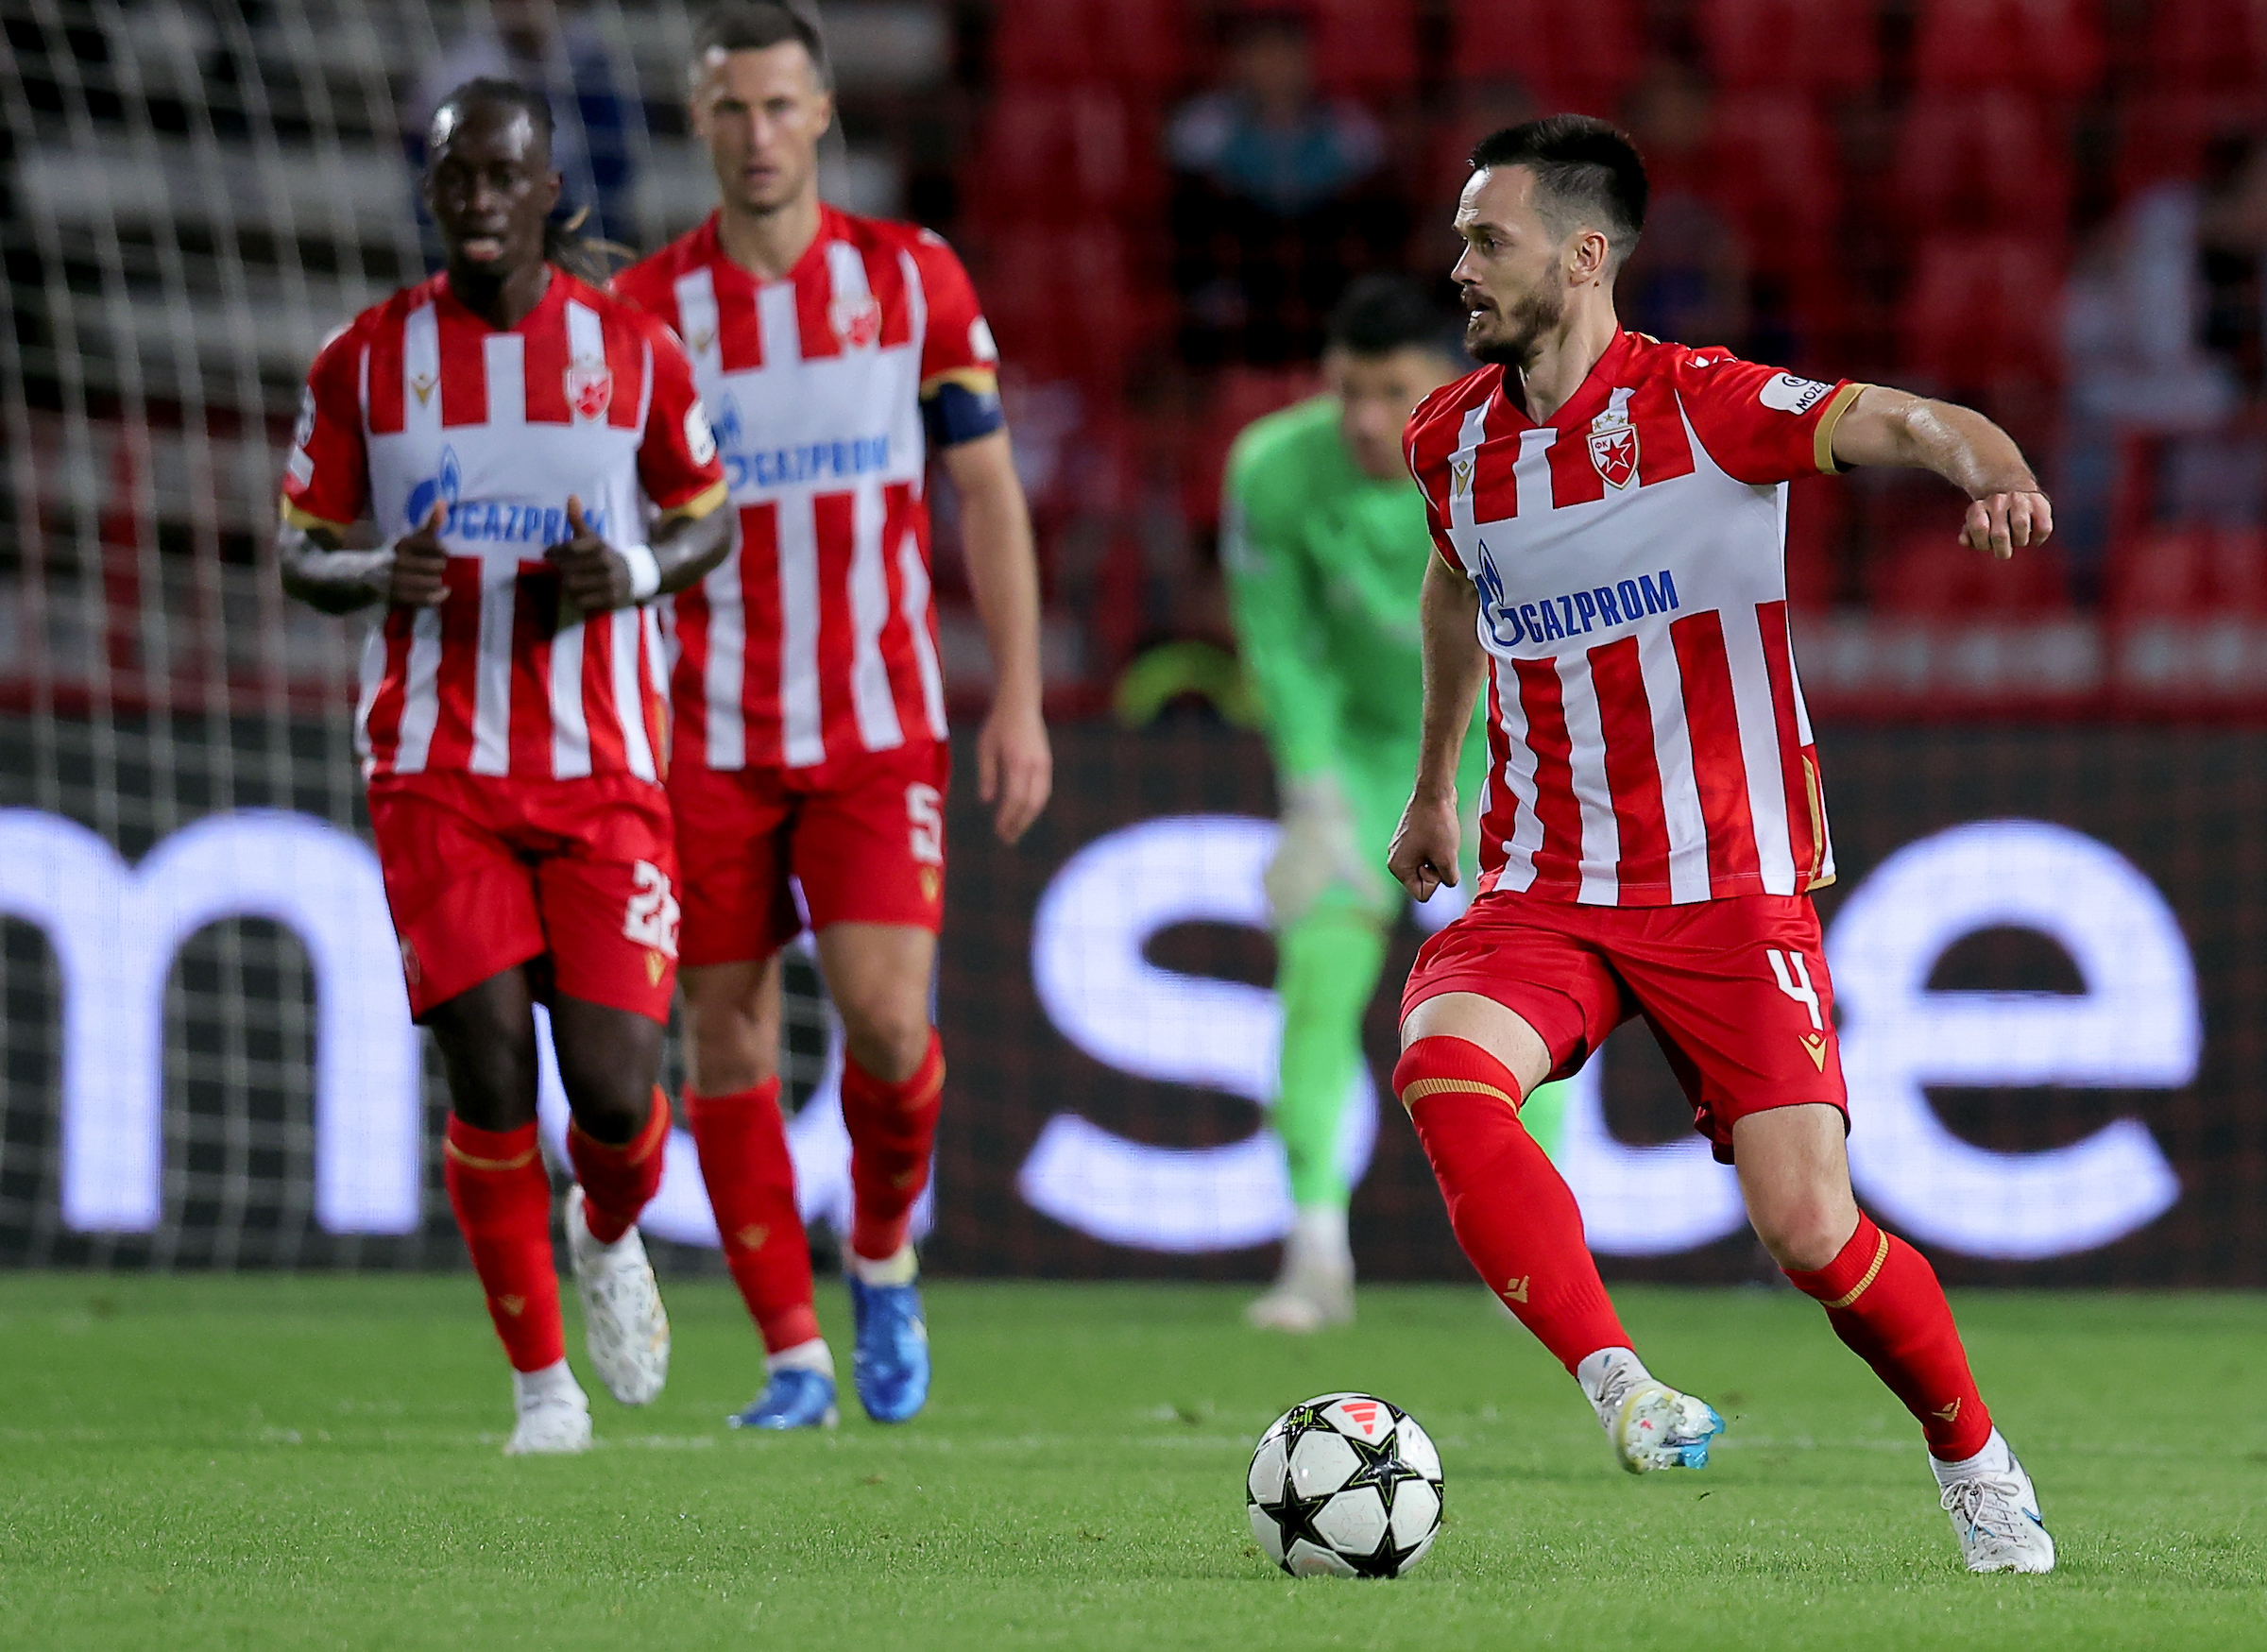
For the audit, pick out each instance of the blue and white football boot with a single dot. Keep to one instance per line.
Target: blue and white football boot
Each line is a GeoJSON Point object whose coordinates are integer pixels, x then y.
{"type": "Point", "coordinates": [1650, 1425]}
{"type": "Point", "coordinates": [1995, 1511]}
{"type": "Point", "coordinates": [891, 1367]}
{"type": "Point", "coordinates": [794, 1397]}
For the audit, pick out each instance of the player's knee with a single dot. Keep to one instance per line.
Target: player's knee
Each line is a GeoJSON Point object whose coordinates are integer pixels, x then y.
{"type": "Point", "coordinates": [886, 1037]}
{"type": "Point", "coordinates": [1802, 1235]}
{"type": "Point", "coordinates": [727, 1061]}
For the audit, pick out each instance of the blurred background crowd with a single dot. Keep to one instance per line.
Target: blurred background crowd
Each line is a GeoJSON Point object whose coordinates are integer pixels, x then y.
{"type": "Point", "coordinates": [2055, 209]}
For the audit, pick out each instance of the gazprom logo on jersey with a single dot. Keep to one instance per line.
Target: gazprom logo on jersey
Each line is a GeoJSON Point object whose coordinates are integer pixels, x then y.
{"type": "Point", "coordinates": [748, 469]}
{"type": "Point", "coordinates": [492, 521]}
{"type": "Point", "coordinates": [1574, 614]}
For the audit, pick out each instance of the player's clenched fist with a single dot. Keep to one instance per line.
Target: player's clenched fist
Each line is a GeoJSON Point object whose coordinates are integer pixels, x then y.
{"type": "Point", "coordinates": [419, 578]}
{"type": "Point", "coordinates": [594, 574]}
{"type": "Point", "coordinates": [1424, 856]}
{"type": "Point", "coordinates": [1999, 522]}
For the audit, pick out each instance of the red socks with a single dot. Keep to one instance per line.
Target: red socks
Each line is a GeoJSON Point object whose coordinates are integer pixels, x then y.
{"type": "Point", "coordinates": [502, 1197]}
{"type": "Point", "coordinates": [1882, 1299]}
{"type": "Point", "coordinates": [1512, 1212]}
{"type": "Point", "coordinates": [751, 1181]}
{"type": "Point", "coordinates": [619, 1182]}
{"type": "Point", "coordinates": [892, 1127]}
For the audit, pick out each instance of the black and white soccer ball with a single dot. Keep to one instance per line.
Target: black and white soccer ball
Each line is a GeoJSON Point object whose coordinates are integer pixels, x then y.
{"type": "Point", "coordinates": [1344, 1486]}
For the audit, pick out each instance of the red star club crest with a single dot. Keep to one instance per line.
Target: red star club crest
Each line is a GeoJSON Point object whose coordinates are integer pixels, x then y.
{"type": "Point", "coordinates": [589, 388]}
{"type": "Point", "coordinates": [857, 319]}
{"type": "Point", "coordinates": [1613, 448]}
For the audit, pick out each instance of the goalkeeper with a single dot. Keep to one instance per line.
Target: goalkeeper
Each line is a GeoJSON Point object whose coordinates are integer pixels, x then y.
{"type": "Point", "coordinates": [1324, 539]}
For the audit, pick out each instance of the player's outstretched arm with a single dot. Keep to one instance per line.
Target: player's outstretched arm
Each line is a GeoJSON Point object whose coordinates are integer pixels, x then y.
{"type": "Point", "coordinates": [317, 571]}
{"type": "Point", "coordinates": [681, 549]}
{"type": "Point", "coordinates": [1893, 427]}
{"type": "Point", "coordinates": [1015, 765]}
{"type": "Point", "coordinates": [1424, 856]}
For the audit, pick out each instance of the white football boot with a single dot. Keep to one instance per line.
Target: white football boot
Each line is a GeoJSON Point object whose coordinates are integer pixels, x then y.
{"type": "Point", "coordinates": [554, 1414]}
{"type": "Point", "coordinates": [626, 1328]}
{"type": "Point", "coordinates": [1994, 1511]}
{"type": "Point", "coordinates": [1650, 1425]}
{"type": "Point", "coordinates": [1315, 1287]}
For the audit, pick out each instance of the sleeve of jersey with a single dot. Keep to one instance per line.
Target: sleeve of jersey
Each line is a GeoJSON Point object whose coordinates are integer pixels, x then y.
{"type": "Point", "coordinates": [677, 461]}
{"type": "Point", "coordinates": [1273, 606]}
{"type": "Point", "coordinates": [1761, 425]}
{"type": "Point", "coordinates": [327, 478]}
{"type": "Point", "coordinates": [960, 365]}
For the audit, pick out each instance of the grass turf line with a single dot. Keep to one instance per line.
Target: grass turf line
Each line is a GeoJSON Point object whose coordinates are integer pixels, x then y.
{"type": "Point", "coordinates": [302, 1462]}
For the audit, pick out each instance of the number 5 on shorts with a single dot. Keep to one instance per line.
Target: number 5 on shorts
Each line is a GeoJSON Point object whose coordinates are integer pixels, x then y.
{"type": "Point", "coordinates": [1794, 978]}
{"type": "Point", "coordinates": [924, 808]}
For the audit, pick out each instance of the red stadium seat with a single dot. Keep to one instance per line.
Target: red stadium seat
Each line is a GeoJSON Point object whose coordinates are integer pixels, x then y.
{"type": "Point", "coordinates": [1059, 42]}
{"type": "Point", "coordinates": [1242, 395]}
{"type": "Point", "coordinates": [1981, 312]}
{"type": "Point", "coordinates": [1574, 57]}
{"type": "Point", "coordinates": [1062, 302]}
{"type": "Point", "coordinates": [2163, 136]}
{"type": "Point", "coordinates": [1983, 161]}
{"type": "Point", "coordinates": [2199, 45]}
{"type": "Point", "coordinates": [1813, 45]}
{"type": "Point", "coordinates": [2041, 46]}
{"type": "Point", "coordinates": [1774, 168]}
{"type": "Point", "coordinates": [1059, 156]}
{"type": "Point", "coordinates": [1817, 513]}
{"type": "Point", "coordinates": [1935, 576]}
{"type": "Point", "coordinates": [2199, 572]}
{"type": "Point", "coordinates": [1365, 48]}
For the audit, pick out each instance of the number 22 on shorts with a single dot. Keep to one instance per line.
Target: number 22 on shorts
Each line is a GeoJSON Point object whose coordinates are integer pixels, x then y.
{"type": "Point", "coordinates": [651, 918]}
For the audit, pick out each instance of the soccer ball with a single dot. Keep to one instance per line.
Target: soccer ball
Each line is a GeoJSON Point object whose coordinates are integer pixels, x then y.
{"type": "Point", "coordinates": [1344, 1486]}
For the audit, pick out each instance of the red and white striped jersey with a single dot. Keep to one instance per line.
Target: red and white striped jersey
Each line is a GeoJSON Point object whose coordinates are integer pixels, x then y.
{"type": "Point", "coordinates": [1647, 740]}
{"type": "Point", "coordinates": [418, 402]}
{"type": "Point", "coordinates": [817, 636]}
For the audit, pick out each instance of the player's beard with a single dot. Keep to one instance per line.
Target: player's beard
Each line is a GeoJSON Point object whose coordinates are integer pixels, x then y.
{"type": "Point", "coordinates": [1532, 315]}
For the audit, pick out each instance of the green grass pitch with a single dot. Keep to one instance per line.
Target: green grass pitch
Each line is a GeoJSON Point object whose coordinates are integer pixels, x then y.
{"type": "Point", "coordinates": [194, 1463]}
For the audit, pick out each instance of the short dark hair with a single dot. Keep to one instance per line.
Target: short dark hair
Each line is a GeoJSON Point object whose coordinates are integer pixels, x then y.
{"type": "Point", "coordinates": [755, 26]}
{"type": "Point", "coordinates": [1380, 313]}
{"type": "Point", "coordinates": [1586, 171]}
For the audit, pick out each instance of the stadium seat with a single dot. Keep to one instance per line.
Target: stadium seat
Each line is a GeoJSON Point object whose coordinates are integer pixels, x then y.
{"type": "Point", "coordinates": [2042, 46]}
{"type": "Point", "coordinates": [2196, 572]}
{"type": "Point", "coordinates": [1582, 56]}
{"type": "Point", "coordinates": [2207, 46]}
{"type": "Point", "coordinates": [1366, 48]}
{"type": "Point", "coordinates": [2162, 136]}
{"type": "Point", "coordinates": [1789, 45]}
{"type": "Point", "coordinates": [1983, 161]}
{"type": "Point", "coordinates": [1055, 156]}
{"type": "Point", "coordinates": [1240, 395]}
{"type": "Point", "coordinates": [1061, 301]}
{"type": "Point", "coordinates": [1817, 514]}
{"type": "Point", "coordinates": [1058, 42]}
{"type": "Point", "coordinates": [1775, 170]}
{"type": "Point", "coordinates": [1982, 310]}
{"type": "Point", "coordinates": [1932, 576]}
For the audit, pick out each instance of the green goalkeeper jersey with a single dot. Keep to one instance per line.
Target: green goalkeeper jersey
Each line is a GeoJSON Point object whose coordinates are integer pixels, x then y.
{"type": "Point", "coordinates": [1326, 564]}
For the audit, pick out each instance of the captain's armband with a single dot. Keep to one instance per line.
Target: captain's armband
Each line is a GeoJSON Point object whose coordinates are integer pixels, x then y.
{"type": "Point", "coordinates": [961, 406]}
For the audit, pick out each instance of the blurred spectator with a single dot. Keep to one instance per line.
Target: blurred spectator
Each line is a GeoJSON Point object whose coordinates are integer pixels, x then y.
{"type": "Point", "coordinates": [1275, 198]}
{"type": "Point", "coordinates": [2166, 333]}
{"type": "Point", "coordinates": [1688, 279]}
{"type": "Point", "coordinates": [567, 59]}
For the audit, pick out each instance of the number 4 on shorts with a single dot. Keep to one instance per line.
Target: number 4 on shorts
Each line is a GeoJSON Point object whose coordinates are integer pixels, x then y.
{"type": "Point", "coordinates": [1794, 978]}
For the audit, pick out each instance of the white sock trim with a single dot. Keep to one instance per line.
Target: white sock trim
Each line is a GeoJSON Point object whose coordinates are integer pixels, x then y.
{"type": "Point", "coordinates": [531, 1388]}
{"type": "Point", "coordinates": [902, 1269]}
{"type": "Point", "coordinates": [1995, 1459]}
{"type": "Point", "coordinates": [1600, 1369]}
{"type": "Point", "coordinates": [811, 1356]}
{"type": "Point", "coordinates": [1319, 1230]}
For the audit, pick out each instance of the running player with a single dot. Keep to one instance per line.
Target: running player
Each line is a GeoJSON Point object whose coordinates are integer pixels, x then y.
{"type": "Point", "coordinates": [535, 457]}
{"type": "Point", "coordinates": [1324, 540]}
{"type": "Point", "coordinates": [1609, 511]}
{"type": "Point", "coordinates": [833, 351]}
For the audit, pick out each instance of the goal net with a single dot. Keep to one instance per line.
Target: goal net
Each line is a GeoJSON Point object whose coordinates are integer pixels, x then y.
{"type": "Point", "coordinates": [196, 195]}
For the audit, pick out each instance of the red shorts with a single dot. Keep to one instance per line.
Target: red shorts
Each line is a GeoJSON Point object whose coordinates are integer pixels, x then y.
{"type": "Point", "coordinates": [863, 834]}
{"type": "Point", "coordinates": [487, 872]}
{"type": "Point", "coordinates": [1735, 991]}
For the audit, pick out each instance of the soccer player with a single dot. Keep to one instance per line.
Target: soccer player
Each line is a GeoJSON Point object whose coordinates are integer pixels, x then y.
{"type": "Point", "coordinates": [1609, 511]}
{"type": "Point", "coordinates": [1324, 539]}
{"type": "Point", "coordinates": [538, 462]}
{"type": "Point", "coordinates": [833, 352]}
